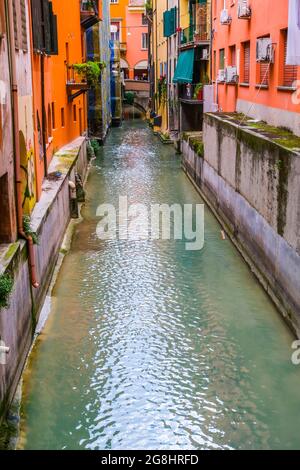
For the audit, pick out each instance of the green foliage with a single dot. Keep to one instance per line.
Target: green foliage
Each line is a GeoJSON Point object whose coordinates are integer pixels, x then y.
{"type": "Point", "coordinates": [28, 230]}
{"type": "Point", "coordinates": [149, 7]}
{"type": "Point", "coordinates": [198, 146]}
{"type": "Point", "coordinates": [95, 145]}
{"type": "Point", "coordinates": [162, 91]}
{"type": "Point", "coordinates": [6, 287]}
{"type": "Point", "coordinates": [198, 88]}
{"type": "Point", "coordinates": [91, 71]}
{"type": "Point", "coordinates": [129, 97]}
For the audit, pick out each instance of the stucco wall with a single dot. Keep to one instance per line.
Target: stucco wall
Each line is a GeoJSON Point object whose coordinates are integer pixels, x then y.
{"type": "Point", "coordinates": [253, 185]}
{"type": "Point", "coordinates": [50, 218]}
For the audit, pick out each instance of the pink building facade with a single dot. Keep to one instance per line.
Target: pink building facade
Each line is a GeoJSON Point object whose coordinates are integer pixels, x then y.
{"type": "Point", "coordinates": [137, 40]}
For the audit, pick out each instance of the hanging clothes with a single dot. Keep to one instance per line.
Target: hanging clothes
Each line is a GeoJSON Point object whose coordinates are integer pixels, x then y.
{"type": "Point", "coordinates": [293, 49]}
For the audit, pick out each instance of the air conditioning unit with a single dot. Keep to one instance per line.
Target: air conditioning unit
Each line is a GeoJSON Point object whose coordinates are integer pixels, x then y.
{"type": "Point", "coordinates": [205, 54]}
{"type": "Point", "coordinates": [225, 17]}
{"type": "Point", "coordinates": [264, 50]}
{"type": "Point", "coordinates": [231, 75]}
{"type": "Point", "coordinates": [244, 10]}
{"type": "Point", "coordinates": [221, 75]}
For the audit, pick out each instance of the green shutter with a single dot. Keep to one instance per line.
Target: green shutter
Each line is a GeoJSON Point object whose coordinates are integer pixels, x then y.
{"type": "Point", "coordinates": [185, 67]}
{"type": "Point", "coordinates": [170, 22]}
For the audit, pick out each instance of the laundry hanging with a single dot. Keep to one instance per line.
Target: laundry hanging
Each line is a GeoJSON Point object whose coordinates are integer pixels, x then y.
{"type": "Point", "coordinates": [293, 46]}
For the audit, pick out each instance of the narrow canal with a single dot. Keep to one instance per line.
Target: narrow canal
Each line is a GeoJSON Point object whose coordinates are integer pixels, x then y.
{"type": "Point", "coordinates": [151, 346]}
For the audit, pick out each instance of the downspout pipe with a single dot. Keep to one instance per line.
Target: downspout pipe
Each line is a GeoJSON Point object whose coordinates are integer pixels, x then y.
{"type": "Point", "coordinates": [16, 141]}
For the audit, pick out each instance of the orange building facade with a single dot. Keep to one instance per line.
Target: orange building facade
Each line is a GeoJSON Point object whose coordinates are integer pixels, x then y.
{"type": "Point", "coordinates": [129, 26]}
{"type": "Point", "coordinates": [244, 82]}
{"type": "Point", "coordinates": [60, 102]}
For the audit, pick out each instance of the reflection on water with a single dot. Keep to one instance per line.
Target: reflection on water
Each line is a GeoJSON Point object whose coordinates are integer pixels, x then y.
{"type": "Point", "coordinates": [151, 346]}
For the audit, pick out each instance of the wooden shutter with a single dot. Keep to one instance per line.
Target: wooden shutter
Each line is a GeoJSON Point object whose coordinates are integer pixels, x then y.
{"type": "Point", "coordinates": [2, 21]}
{"type": "Point", "coordinates": [37, 30]}
{"type": "Point", "coordinates": [264, 73]}
{"type": "Point", "coordinates": [246, 78]}
{"type": "Point", "coordinates": [53, 31]}
{"type": "Point", "coordinates": [289, 71]}
{"type": "Point", "coordinates": [16, 29]}
{"type": "Point", "coordinates": [23, 26]}
{"type": "Point", "coordinates": [46, 26]}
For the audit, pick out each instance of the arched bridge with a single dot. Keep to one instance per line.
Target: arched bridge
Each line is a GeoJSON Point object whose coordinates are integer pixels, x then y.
{"type": "Point", "coordinates": [141, 90]}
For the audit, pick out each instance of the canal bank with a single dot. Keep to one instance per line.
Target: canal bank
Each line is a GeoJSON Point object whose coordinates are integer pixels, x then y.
{"type": "Point", "coordinates": [48, 223]}
{"type": "Point", "coordinates": [149, 345]}
{"type": "Point", "coordinates": [248, 172]}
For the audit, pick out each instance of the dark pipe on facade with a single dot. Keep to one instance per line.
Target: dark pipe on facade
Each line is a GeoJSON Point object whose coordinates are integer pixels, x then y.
{"type": "Point", "coordinates": [44, 125]}
{"type": "Point", "coordinates": [14, 92]}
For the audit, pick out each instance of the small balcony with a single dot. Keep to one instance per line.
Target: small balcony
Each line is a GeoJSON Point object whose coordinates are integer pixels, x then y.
{"type": "Point", "coordinates": [194, 35]}
{"type": "Point", "coordinates": [89, 14]}
{"type": "Point", "coordinates": [76, 83]}
{"type": "Point", "coordinates": [191, 93]}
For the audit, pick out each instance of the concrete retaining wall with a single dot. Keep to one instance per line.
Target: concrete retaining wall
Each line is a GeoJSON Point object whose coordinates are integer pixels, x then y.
{"type": "Point", "coordinates": [49, 219]}
{"type": "Point", "coordinates": [253, 186]}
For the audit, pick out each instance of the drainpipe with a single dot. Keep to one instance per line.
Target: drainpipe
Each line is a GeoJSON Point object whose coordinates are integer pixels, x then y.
{"type": "Point", "coordinates": [44, 130]}
{"type": "Point", "coordinates": [16, 142]}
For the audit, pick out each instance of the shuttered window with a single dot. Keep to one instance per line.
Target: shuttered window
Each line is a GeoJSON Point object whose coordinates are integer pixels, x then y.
{"type": "Point", "coordinates": [289, 71]}
{"type": "Point", "coordinates": [23, 25]}
{"type": "Point", "coordinates": [264, 74]}
{"type": "Point", "coordinates": [16, 29]}
{"type": "Point", "coordinates": [246, 78]}
{"type": "Point", "coordinates": [44, 27]}
{"type": "Point", "coordinates": [222, 59]}
{"type": "Point", "coordinates": [232, 50]}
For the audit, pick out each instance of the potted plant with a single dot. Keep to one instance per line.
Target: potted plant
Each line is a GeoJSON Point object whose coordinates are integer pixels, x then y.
{"type": "Point", "coordinates": [162, 90]}
{"type": "Point", "coordinates": [198, 92]}
{"type": "Point", "coordinates": [90, 72]}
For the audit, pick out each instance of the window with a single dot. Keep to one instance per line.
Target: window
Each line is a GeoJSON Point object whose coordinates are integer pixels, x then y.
{"type": "Point", "coordinates": [44, 27]}
{"type": "Point", "coordinates": [144, 20]}
{"type": "Point", "coordinates": [215, 65]}
{"type": "Point", "coordinates": [53, 116]}
{"type": "Point", "coordinates": [289, 72]}
{"type": "Point", "coordinates": [49, 122]}
{"type": "Point", "coordinates": [264, 74]}
{"type": "Point", "coordinates": [114, 1]}
{"type": "Point", "coordinates": [80, 122]}
{"type": "Point", "coordinates": [2, 21]}
{"type": "Point", "coordinates": [115, 31]}
{"type": "Point", "coordinates": [62, 117]}
{"type": "Point", "coordinates": [16, 28]}
{"type": "Point", "coordinates": [23, 26]}
{"type": "Point", "coordinates": [74, 113]}
{"type": "Point", "coordinates": [246, 62]}
{"type": "Point", "coordinates": [5, 219]}
{"type": "Point", "coordinates": [232, 56]}
{"type": "Point", "coordinates": [222, 59]}
{"type": "Point", "coordinates": [144, 40]}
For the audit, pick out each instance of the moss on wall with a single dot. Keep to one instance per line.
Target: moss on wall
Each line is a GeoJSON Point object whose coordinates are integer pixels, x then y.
{"type": "Point", "coordinates": [271, 144]}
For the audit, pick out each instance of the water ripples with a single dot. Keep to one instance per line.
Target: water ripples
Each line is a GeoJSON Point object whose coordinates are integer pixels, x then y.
{"type": "Point", "coordinates": [152, 346]}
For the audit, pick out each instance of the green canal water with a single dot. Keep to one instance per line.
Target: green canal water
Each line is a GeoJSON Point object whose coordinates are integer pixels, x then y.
{"type": "Point", "coordinates": [150, 346]}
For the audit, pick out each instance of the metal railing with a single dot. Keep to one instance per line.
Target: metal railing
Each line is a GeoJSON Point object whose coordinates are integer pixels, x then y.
{"type": "Point", "coordinates": [194, 34]}
{"type": "Point", "coordinates": [191, 92]}
{"type": "Point", "coordinates": [74, 78]}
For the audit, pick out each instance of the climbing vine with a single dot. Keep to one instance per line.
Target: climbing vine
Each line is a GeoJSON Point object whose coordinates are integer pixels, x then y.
{"type": "Point", "coordinates": [28, 230]}
{"type": "Point", "coordinates": [162, 90]}
{"type": "Point", "coordinates": [6, 287]}
{"type": "Point", "coordinates": [91, 71]}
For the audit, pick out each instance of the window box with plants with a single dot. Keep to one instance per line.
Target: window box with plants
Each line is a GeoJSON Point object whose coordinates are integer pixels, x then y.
{"type": "Point", "coordinates": [82, 77]}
